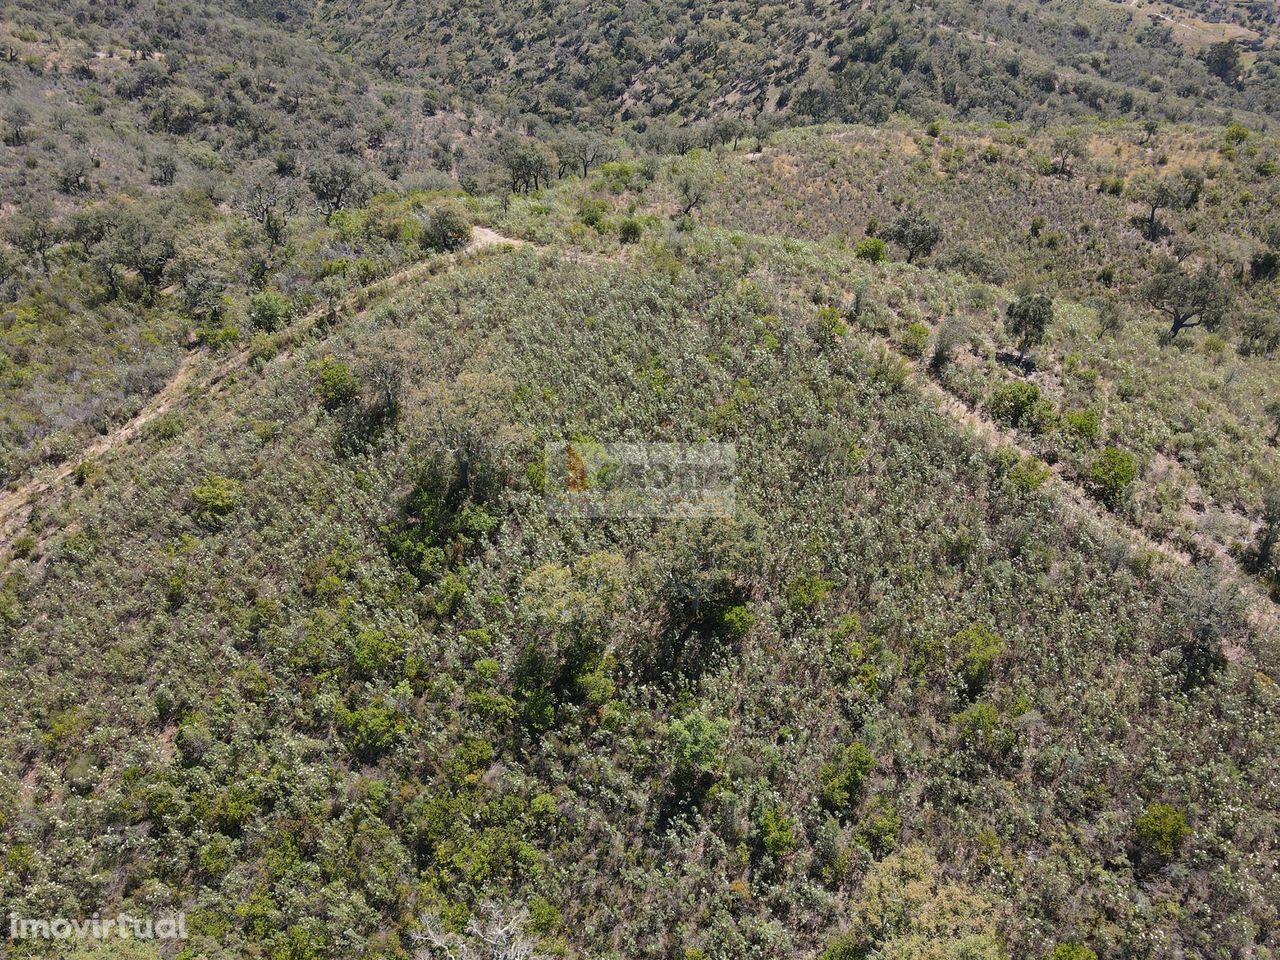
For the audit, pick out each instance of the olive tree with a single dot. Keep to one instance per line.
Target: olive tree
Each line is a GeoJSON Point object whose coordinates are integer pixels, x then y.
{"type": "Point", "coordinates": [1180, 191]}
{"type": "Point", "coordinates": [1027, 320]}
{"type": "Point", "coordinates": [337, 183]}
{"type": "Point", "coordinates": [1197, 299]}
{"type": "Point", "coordinates": [916, 233]}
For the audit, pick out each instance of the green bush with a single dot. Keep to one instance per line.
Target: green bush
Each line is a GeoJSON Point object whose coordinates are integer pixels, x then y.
{"type": "Point", "coordinates": [842, 781]}
{"type": "Point", "coordinates": [630, 230]}
{"type": "Point", "coordinates": [872, 250]}
{"type": "Point", "coordinates": [978, 647]}
{"type": "Point", "coordinates": [1111, 475]}
{"type": "Point", "coordinates": [915, 340]}
{"type": "Point", "coordinates": [1159, 832]}
{"type": "Point", "coordinates": [982, 731]}
{"type": "Point", "coordinates": [736, 621]}
{"type": "Point", "coordinates": [369, 731]}
{"type": "Point", "coordinates": [446, 228]}
{"type": "Point", "coordinates": [1084, 424]}
{"type": "Point", "coordinates": [270, 311]}
{"type": "Point", "coordinates": [1072, 951]}
{"type": "Point", "coordinates": [1019, 404]}
{"type": "Point", "coordinates": [592, 210]}
{"type": "Point", "coordinates": [846, 946]}
{"type": "Point", "coordinates": [337, 386]}
{"type": "Point", "coordinates": [1026, 474]}
{"type": "Point", "coordinates": [215, 497]}
{"type": "Point", "coordinates": [831, 324]}
{"type": "Point", "coordinates": [807, 591]}
{"type": "Point", "coordinates": [878, 831]}
{"type": "Point", "coordinates": [777, 832]}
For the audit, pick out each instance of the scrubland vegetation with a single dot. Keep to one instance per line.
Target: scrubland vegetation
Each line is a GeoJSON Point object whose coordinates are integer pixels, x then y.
{"type": "Point", "coordinates": [984, 664]}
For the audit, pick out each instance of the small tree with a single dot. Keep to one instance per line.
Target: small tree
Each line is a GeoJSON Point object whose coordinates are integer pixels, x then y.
{"type": "Point", "coordinates": [267, 198]}
{"type": "Point", "coordinates": [1187, 299]}
{"type": "Point", "coordinates": [33, 234]}
{"type": "Point", "coordinates": [337, 183]}
{"type": "Point", "coordinates": [446, 228]}
{"type": "Point", "coordinates": [1159, 833]}
{"type": "Point", "coordinates": [15, 126]}
{"type": "Point", "coordinates": [1068, 148]}
{"type": "Point", "coordinates": [1180, 191]}
{"type": "Point", "coordinates": [1223, 61]}
{"type": "Point", "coordinates": [1111, 475]}
{"type": "Point", "coordinates": [1261, 555]}
{"type": "Point", "coordinates": [916, 233]}
{"type": "Point", "coordinates": [1027, 320]}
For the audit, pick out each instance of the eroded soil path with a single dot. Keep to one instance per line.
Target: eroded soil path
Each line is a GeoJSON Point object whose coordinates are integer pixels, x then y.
{"type": "Point", "coordinates": [17, 502]}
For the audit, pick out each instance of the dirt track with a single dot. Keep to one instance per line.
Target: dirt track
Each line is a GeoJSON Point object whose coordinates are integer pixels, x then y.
{"type": "Point", "coordinates": [16, 504]}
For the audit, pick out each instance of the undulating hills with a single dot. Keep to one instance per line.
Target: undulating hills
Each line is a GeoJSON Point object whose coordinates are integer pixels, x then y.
{"type": "Point", "coordinates": [983, 665]}
{"type": "Point", "coordinates": [830, 59]}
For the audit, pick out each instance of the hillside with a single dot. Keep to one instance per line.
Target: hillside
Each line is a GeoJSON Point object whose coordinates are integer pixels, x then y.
{"type": "Point", "coordinates": [316, 322]}
{"type": "Point", "coordinates": [295, 668]}
{"type": "Point", "coordinates": [837, 60]}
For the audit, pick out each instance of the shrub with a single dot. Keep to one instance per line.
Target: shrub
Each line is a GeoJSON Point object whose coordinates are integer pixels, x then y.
{"type": "Point", "coordinates": [369, 731]}
{"type": "Point", "coordinates": [830, 324]}
{"type": "Point", "coordinates": [736, 621]}
{"type": "Point", "coordinates": [952, 335]}
{"type": "Point", "coordinates": [1072, 951]}
{"type": "Point", "coordinates": [1026, 474]}
{"type": "Point", "coordinates": [591, 211]}
{"type": "Point", "coordinates": [270, 311]}
{"type": "Point", "coordinates": [446, 228]}
{"type": "Point", "coordinates": [879, 828]}
{"type": "Point", "coordinates": [1019, 404]}
{"type": "Point", "coordinates": [872, 250]}
{"type": "Point", "coordinates": [630, 229]}
{"type": "Point", "coordinates": [696, 743]}
{"type": "Point", "coordinates": [846, 946]}
{"type": "Point", "coordinates": [216, 336]}
{"type": "Point", "coordinates": [842, 780]}
{"type": "Point", "coordinates": [981, 730]}
{"type": "Point", "coordinates": [806, 591]}
{"type": "Point", "coordinates": [1111, 475]}
{"type": "Point", "coordinates": [915, 340]}
{"type": "Point", "coordinates": [215, 497]}
{"type": "Point", "coordinates": [978, 647]}
{"type": "Point", "coordinates": [1085, 424]}
{"type": "Point", "coordinates": [337, 386]}
{"type": "Point", "coordinates": [1160, 831]}
{"type": "Point", "coordinates": [777, 832]}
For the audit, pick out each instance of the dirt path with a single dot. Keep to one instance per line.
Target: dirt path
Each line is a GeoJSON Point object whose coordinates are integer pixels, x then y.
{"type": "Point", "coordinates": [1264, 613]}
{"type": "Point", "coordinates": [17, 503]}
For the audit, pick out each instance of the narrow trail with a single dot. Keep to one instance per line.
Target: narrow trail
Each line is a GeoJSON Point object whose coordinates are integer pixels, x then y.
{"type": "Point", "coordinates": [17, 503]}
{"type": "Point", "coordinates": [1075, 502]}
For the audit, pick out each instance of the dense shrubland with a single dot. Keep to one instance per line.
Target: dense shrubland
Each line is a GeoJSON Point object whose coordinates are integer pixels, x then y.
{"type": "Point", "coordinates": [657, 66]}
{"type": "Point", "coordinates": [982, 665]}
{"type": "Point", "coordinates": [329, 689]}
